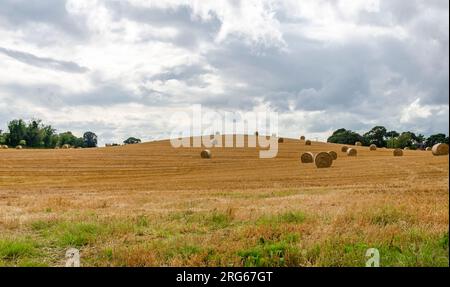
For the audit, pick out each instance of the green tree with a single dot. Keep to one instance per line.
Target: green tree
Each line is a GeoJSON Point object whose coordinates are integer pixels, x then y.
{"type": "Point", "coordinates": [90, 139]}
{"type": "Point", "coordinates": [23, 142]}
{"type": "Point", "coordinates": [343, 136]}
{"type": "Point", "coordinates": [49, 138]}
{"type": "Point", "coordinates": [392, 134]}
{"type": "Point", "coordinates": [435, 139]}
{"type": "Point", "coordinates": [34, 134]}
{"type": "Point", "coordinates": [66, 138]}
{"type": "Point", "coordinates": [132, 140]}
{"type": "Point", "coordinates": [377, 135]}
{"type": "Point", "coordinates": [406, 139]}
{"type": "Point", "coordinates": [17, 132]}
{"type": "Point", "coordinates": [3, 138]}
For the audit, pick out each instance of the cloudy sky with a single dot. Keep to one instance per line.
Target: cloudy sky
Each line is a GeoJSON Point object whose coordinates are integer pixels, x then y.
{"type": "Point", "coordinates": [121, 68]}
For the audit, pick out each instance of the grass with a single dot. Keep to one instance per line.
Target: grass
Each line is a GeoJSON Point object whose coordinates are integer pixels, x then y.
{"type": "Point", "coordinates": [15, 249]}
{"type": "Point", "coordinates": [295, 217]}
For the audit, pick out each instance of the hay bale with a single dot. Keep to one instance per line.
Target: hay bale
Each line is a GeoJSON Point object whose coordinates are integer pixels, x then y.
{"type": "Point", "coordinates": [428, 149]}
{"type": "Point", "coordinates": [398, 152]}
{"type": "Point", "coordinates": [19, 147]}
{"type": "Point", "coordinates": [406, 148]}
{"type": "Point", "coordinates": [302, 138]}
{"type": "Point", "coordinates": [373, 147]}
{"type": "Point", "coordinates": [57, 147]}
{"type": "Point", "coordinates": [206, 153]}
{"type": "Point", "coordinates": [352, 152]}
{"type": "Point", "coordinates": [440, 149]}
{"type": "Point", "coordinates": [66, 146]}
{"type": "Point", "coordinates": [280, 140]}
{"type": "Point", "coordinates": [323, 160]}
{"type": "Point", "coordinates": [5, 147]}
{"type": "Point", "coordinates": [307, 142]}
{"type": "Point", "coordinates": [344, 148]}
{"type": "Point", "coordinates": [333, 154]}
{"type": "Point", "coordinates": [358, 143]}
{"type": "Point", "coordinates": [307, 157]}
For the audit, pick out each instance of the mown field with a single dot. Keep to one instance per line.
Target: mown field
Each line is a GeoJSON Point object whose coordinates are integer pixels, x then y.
{"type": "Point", "coordinates": [153, 205]}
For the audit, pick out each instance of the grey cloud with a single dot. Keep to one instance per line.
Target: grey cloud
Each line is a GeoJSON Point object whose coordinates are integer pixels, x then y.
{"type": "Point", "coordinates": [191, 31]}
{"type": "Point", "coordinates": [24, 13]}
{"type": "Point", "coordinates": [43, 62]}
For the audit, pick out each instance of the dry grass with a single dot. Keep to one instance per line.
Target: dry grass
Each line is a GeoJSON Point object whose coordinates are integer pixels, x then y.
{"type": "Point", "coordinates": [152, 205]}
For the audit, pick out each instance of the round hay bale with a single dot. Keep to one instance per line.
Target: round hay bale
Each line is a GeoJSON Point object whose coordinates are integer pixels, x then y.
{"type": "Point", "coordinates": [406, 148]}
{"type": "Point", "coordinates": [428, 149]}
{"type": "Point", "coordinates": [398, 152]}
{"type": "Point", "coordinates": [206, 153]}
{"type": "Point", "coordinates": [280, 140]}
{"type": "Point", "coordinates": [358, 143]}
{"type": "Point", "coordinates": [6, 147]}
{"type": "Point", "coordinates": [323, 160]}
{"type": "Point", "coordinates": [307, 157]}
{"type": "Point", "coordinates": [440, 149]}
{"type": "Point", "coordinates": [307, 142]}
{"type": "Point", "coordinates": [352, 152]}
{"type": "Point", "coordinates": [66, 146]}
{"type": "Point", "coordinates": [333, 154]}
{"type": "Point", "coordinates": [302, 138]}
{"type": "Point", "coordinates": [373, 147]}
{"type": "Point", "coordinates": [19, 147]}
{"type": "Point", "coordinates": [344, 148]}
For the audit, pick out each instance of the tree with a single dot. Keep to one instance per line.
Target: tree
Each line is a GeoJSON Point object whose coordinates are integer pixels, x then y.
{"type": "Point", "coordinates": [34, 134]}
{"type": "Point", "coordinates": [23, 142]}
{"type": "Point", "coordinates": [90, 139]}
{"type": "Point", "coordinates": [132, 140]}
{"type": "Point", "coordinates": [377, 136]}
{"type": "Point", "coordinates": [49, 139]}
{"type": "Point", "coordinates": [17, 132]}
{"type": "Point", "coordinates": [405, 140]}
{"type": "Point", "coordinates": [343, 136]}
{"type": "Point", "coordinates": [435, 139]}
{"type": "Point", "coordinates": [3, 138]}
{"type": "Point", "coordinates": [392, 134]}
{"type": "Point", "coordinates": [66, 138]}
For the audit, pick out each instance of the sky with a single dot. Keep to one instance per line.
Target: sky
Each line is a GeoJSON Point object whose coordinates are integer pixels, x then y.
{"type": "Point", "coordinates": [122, 68]}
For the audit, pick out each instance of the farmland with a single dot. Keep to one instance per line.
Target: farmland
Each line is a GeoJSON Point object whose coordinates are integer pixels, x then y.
{"type": "Point", "coordinates": [153, 205]}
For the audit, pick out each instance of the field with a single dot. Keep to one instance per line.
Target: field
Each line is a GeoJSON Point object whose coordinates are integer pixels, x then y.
{"type": "Point", "coordinates": [153, 205]}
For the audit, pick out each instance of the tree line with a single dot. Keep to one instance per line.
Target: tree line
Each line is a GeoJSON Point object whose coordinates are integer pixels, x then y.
{"type": "Point", "coordinates": [35, 134]}
{"type": "Point", "coordinates": [381, 137]}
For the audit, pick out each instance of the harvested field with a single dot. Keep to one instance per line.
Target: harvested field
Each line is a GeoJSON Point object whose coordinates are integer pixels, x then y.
{"type": "Point", "coordinates": [152, 205]}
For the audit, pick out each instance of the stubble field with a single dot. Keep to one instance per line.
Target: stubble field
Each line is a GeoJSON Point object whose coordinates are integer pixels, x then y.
{"type": "Point", "coordinates": [154, 205]}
